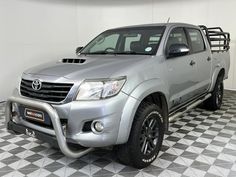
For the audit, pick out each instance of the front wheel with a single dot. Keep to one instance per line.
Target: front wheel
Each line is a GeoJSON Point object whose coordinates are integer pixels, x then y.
{"type": "Point", "coordinates": [145, 138]}
{"type": "Point", "coordinates": [216, 99]}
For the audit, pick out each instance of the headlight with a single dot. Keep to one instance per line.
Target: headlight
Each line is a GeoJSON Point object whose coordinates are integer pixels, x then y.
{"type": "Point", "coordinates": [100, 89]}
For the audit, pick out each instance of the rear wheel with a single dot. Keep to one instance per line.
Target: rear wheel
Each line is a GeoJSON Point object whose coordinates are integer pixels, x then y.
{"type": "Point", "coordinates": [215, 101]}
{"type": "Point", "coordinates": [145, 138]}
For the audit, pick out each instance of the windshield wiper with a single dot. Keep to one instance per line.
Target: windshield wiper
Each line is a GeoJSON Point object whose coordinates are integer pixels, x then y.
{"type": "Point", "coordinates": [116, 53]}
{"type": "Point", "coordinates": [99, 53]}
{"type": "Point", "coordinates": [130, 53]}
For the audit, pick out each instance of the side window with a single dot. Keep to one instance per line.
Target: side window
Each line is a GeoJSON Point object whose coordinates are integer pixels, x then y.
{"type": "Point", "coordinates": [105, 42]}
{"type": "Point", "coordinates": [177, 36]}
{"type": "Point", "coordinates": [196, 40]}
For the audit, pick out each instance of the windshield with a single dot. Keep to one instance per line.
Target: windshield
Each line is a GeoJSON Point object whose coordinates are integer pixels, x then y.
{"type": "Point", "coordinates": [131, 41]}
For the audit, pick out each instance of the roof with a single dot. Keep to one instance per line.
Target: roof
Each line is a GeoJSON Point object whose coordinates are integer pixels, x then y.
{"type": "Point", "coordinates": [156, 25]}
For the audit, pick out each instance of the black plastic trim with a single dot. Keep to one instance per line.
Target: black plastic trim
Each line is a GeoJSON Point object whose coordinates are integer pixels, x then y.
{"type": "Point", "coordinates": [11, 126]}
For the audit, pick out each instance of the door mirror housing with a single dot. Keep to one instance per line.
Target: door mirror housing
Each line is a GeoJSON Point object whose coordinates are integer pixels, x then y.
{"type": "Point", "coordinates": [176, 50]}
{"type": "Point", "coordinates": [78, 49]}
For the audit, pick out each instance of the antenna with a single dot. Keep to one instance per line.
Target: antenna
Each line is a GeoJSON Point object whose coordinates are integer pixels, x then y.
{"type": "Point", "coordinates": [168, 20]}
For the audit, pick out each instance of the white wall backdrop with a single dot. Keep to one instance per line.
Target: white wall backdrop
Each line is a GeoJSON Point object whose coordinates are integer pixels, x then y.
{"type": "Point", "coordinates": [36, 31]}
{"type": "Point", "coordinates": [96, 16]}
{"type": "Point", "coordinates": [33, 32]}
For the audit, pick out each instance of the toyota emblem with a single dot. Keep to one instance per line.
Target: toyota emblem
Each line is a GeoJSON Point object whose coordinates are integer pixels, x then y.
{"type": "Point", "coordinates": [36, 85]}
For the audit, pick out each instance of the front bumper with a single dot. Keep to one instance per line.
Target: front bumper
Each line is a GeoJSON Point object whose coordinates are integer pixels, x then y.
{"type": "Point", "coordinates": [59, 134]}
{"type": "Point", "coordinates": [76, 114]}
{"type": "Point", "coordinates": [16, 128]}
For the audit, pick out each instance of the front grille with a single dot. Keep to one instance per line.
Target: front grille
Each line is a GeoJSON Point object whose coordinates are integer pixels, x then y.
{"type": "Point", "coordinates": [52, 92]}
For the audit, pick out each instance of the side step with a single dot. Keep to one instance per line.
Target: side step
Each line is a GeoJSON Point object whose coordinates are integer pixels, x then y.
{"type": "Point", "coordinates": [189, 106]}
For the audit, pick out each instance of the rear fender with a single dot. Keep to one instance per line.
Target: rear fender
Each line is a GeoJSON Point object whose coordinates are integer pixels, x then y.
{"type": "Point", "coordinates": [214, 77]}
{"type": "Point", "coordinates": [219, 61]}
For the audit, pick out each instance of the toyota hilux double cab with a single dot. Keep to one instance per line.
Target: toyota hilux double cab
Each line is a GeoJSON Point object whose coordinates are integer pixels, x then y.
{"type": "Point", "coordinates": [122, 89]}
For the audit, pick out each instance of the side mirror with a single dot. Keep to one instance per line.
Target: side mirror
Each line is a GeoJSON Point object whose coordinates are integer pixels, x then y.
{"type": "Point", "coordinates": [78, 49]}
{"type": "Point", "coordinates": [176, 50]}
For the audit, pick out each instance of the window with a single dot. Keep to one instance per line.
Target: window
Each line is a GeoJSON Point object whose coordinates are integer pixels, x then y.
{"type": "Point", "coordinates": [126, 41]}
{"type": "Point", "coordinates": [177, 36]}
{"type": "Point", "coordinates": [155, 39]}
{"type": "Point", "coordinates": [105, 43]}
{"type": "Point", "coordinates": [196, 40]}
{"type": "Point", "coordinates": [129, 39]}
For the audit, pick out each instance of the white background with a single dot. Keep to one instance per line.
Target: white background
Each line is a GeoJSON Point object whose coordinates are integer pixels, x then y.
{"type": "Point", "coordinates": [36, 31]}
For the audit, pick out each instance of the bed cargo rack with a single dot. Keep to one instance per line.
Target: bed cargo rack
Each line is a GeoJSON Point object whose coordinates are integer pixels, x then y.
{"type": "Point", "coordinates": [218, 39]}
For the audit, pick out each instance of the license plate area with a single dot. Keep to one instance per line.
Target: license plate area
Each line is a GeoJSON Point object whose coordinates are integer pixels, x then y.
{"type": "Point", "coordinates": [34, 115]}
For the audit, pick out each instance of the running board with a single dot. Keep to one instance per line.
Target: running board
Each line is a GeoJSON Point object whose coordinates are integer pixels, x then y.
{"type": "Point", "coordinates": [184, 109]}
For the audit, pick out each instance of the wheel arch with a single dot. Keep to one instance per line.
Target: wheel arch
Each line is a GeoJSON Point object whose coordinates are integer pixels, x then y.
{"type": "Point", "coordinates": [159, 99]}
{"type": "Point", "coordinates": [153, 91]}
{"type": "Point", "coordinates": [222, 72]}
{"type": "Point", "coordinates": [216, 74]}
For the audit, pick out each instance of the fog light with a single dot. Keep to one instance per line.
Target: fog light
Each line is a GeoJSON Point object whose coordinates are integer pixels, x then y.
{"type": "Point", "coordinates": [98, 126]}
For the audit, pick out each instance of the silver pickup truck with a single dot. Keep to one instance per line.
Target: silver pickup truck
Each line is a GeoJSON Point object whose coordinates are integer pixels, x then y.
{"type": "Point", "coordinates": [122, 89]}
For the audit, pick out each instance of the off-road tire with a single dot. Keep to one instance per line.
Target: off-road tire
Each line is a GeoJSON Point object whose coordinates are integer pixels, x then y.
{"type": "Point", "coordinates": [132, 153]}
{"type": "Point", "coordinates": [215, 101]}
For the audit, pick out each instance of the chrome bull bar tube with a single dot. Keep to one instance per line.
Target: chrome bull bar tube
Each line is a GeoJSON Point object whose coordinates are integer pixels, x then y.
{"type": "Point", "coordinates": [61, 139]}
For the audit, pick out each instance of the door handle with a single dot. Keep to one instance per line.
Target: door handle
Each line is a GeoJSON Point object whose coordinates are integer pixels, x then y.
{"type": "Point", "coordinates": [209, 59]}
{"type": "Point", "coordinates": [192, 63]}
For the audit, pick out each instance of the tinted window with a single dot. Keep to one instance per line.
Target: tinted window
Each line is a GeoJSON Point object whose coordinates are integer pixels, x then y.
{"type": "Point", "coordinates": [196, 40]}
{"type": "Point", "coordinates": [155, 39]}
{"type": "Point", "coordinates": [132, 41]}
{"type": "Point", "coordinates": [129, 39]}
{"type": "Point", "coordinates": [108, 42]}
{"type": "Point", "coordinates": [177, 36]}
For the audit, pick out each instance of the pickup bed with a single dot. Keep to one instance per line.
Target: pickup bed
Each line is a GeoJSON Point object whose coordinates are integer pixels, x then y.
{"type": "Point", "coordinates": [122, 89]}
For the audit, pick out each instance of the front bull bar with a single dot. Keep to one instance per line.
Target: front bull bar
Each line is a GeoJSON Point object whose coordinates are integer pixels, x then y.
{"type": "Point", "coordinates": [61, 139]}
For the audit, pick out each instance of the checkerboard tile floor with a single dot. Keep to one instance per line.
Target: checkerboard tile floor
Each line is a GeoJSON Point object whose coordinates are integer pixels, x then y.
{"type": "Point", "coordinates": [199, 143]}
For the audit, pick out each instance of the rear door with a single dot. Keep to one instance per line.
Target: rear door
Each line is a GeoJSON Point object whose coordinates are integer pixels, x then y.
{"type": "Point", "coordinates": [180, 71]}
{"type": "Point", "coordinates": [202, 60]}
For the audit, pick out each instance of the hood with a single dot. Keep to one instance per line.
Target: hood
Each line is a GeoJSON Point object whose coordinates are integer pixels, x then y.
{"type": "Point", "coordinates": [91, 67]}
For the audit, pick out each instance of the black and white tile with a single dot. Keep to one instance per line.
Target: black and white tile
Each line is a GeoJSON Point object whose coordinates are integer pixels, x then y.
{"type": "Point", "coordinates": [199, 143]}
